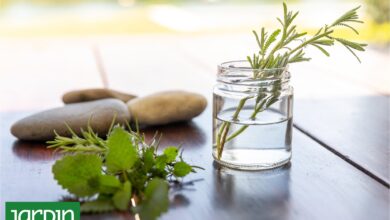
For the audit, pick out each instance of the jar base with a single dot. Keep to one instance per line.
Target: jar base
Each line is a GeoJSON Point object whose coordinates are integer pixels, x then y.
{"type": "Point", "coordinates": [250, 159]}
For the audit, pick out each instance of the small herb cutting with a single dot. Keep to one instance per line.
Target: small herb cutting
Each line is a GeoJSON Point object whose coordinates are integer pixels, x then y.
{"type": "Point", "coordinates": [279, 48]}
{"type": "Point", "coordinates": [122, 173]}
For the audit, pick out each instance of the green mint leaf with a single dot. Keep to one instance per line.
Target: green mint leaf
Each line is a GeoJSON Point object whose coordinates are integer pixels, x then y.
{"type": "Point", "coordinates": [97, 206]}
{"type": "Point", "coordinates": [161, 162]}
{"type": "Point", "coordinates": [108, 184]}
{"type": "Point", "coordinates": [171, 153]}
{"type": "Point", "coordinates": [121, 152]}
{"type": "Point", "coordinates": [138, 179]}
{"type": "Point", "coordinates": [181, 169]}
{"type": "Point", "coordinates": [122, 197]}
{"type": "Point", "coordinates": [148, 158]}
{"type": "Point", "coordinates": [75, 172]}
{"type": "Point", "coordinates": [156, 200]}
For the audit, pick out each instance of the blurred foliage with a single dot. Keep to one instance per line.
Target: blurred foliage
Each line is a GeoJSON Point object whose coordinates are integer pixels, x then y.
{"type": "Point", "coordinates": [134, 20]}
{"type": "Point", "coordinates": [124, 2]}
{"type": "Point", "coordinates": [43, 2]}
{"type": "Point", "coordinates": [379, 10]}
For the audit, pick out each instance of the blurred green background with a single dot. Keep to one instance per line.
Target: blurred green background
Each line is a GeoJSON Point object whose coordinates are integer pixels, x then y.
{"type": "Point", "coordinates": [29, 18]}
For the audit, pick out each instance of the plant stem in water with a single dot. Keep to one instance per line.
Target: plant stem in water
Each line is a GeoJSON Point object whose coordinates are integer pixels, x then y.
{"type": "Point", "coordinates": [221, 137]}
{"type": "Point", "coordinates": [226, 130]}
{"type": "Point", "coordinates": [244, 127]}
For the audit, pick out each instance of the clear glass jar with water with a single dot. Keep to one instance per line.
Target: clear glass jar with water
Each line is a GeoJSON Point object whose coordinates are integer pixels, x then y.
{"type": "Point", "coordinates": [252, 116]}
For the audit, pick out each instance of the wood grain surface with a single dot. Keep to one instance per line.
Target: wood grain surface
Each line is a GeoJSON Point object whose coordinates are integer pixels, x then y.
{"type": "Point", "coordinates": [316, 184]}
{"type": "Point", "coordinates": [356, 128]}
{"type": "Point", "coordinates": [340, 161]}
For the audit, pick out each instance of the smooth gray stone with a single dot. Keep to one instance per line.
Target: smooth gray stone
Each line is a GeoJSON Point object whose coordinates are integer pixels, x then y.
{"type": "Point", "coordinates": [166, 107]}
{"type": "Point", "coordinates": [100, 113]}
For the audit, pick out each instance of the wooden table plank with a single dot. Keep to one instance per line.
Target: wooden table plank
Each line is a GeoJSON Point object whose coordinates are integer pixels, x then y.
{"type": "Point", "coordinates": [353, 119]}
{"type": "Point", "coordinates": [314, 175]}
{"type": "Point", "coordinates": [356, 128]}
{"type": "Point", "coordinates": [315, 179]}
{"type": "Point", "coordinates": [372, 73]}
{"type": "Point", "coordinates": [143, 65]}
{"type": "Point", "coordinates": [35, 73]}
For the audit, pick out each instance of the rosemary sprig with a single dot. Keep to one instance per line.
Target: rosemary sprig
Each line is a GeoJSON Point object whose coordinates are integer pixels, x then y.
{"type": "Point", "coordinates": [278, 49]}
{"type": "Point", "coordinates": [322, 38]}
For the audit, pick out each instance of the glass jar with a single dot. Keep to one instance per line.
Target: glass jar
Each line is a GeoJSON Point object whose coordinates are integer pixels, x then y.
{"type": "Point", "coordinates": [252, 116]}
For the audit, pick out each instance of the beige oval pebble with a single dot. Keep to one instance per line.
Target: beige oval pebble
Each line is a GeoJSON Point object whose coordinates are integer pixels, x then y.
{"type": "Point", "coordinates": [41, 126]}
{"type": "Point", "coordinates": [166, 107]}
{"type": "Point", "coordinates": [85, 95]}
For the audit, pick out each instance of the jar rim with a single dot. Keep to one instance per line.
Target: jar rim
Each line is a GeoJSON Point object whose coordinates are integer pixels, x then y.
{"type": "Point", "coordinates": [228, 66]}
{"type": "Point", "coordinates": [244, 75]}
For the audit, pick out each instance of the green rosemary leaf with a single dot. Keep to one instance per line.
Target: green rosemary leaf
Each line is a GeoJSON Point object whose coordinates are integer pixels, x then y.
{"type": "Point", "coordinates": [321, 49]}
{"type": "Point", "coordinates": [271, 39]}
{"type": "Point", "coordinates": [82, 148]}
{"type": "Point", "coordinates": [294, 37]}
{"type": "Point", "coordinates": [291, 30]}
{"type": "Point", "coordinates": [299, 59]}
{"type": "Point", "coordinates": [319, 31]}
{"type": "Point", "coordinates": [250, 61]}
{"type": "Point", "coordinates": [351, 44]}
{"type": "Point", "coordinates": [285, 13]}
{"type": "Point", "coordinates": [280, 21]}
{"type": "Point", "coordinates": [291, 19]}
{"type": "Point", "coordinates": [325, 42]}
{"type": "Point", "coordinates": [350, 15]}
{"type": "Point", "coordinates": [263, 38]}
{"type": "Point", "coordinates": [353, 53]}
{"type": "Point", "coordinates": [70, 130]}
{"type": "Point", "coordinates": [356, 21]}
{"type": "Point", "coordinates": [350, 27]}
{"type": "Point", "coordinates": [257, 39]}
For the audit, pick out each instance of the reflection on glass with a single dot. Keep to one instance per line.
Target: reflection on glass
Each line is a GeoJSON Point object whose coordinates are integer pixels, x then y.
{"type": "Point", "coordinates": [242, 191]}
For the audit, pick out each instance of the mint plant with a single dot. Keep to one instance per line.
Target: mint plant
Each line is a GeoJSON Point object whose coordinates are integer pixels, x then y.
{"type": "Point", "coordinates": [121, 173]}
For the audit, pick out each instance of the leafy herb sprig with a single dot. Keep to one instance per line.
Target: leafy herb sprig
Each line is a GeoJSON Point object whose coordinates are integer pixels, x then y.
{"type": "Point", "coordinates": [279, 48]}
{"type": "Point", "coordinates": [288, 34]}
{"type": "Point", "coordinates": [119, 172]}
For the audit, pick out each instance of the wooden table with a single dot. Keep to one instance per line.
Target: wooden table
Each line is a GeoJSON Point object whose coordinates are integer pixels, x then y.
{"type": "Point", "coordinates": [340, 165]}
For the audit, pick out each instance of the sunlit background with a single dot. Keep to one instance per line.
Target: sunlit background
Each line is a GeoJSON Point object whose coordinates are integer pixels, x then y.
{"type": "Point", "coordinates": [59, 45]}
{"type": "Point", "coordinates": [27, 18]}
